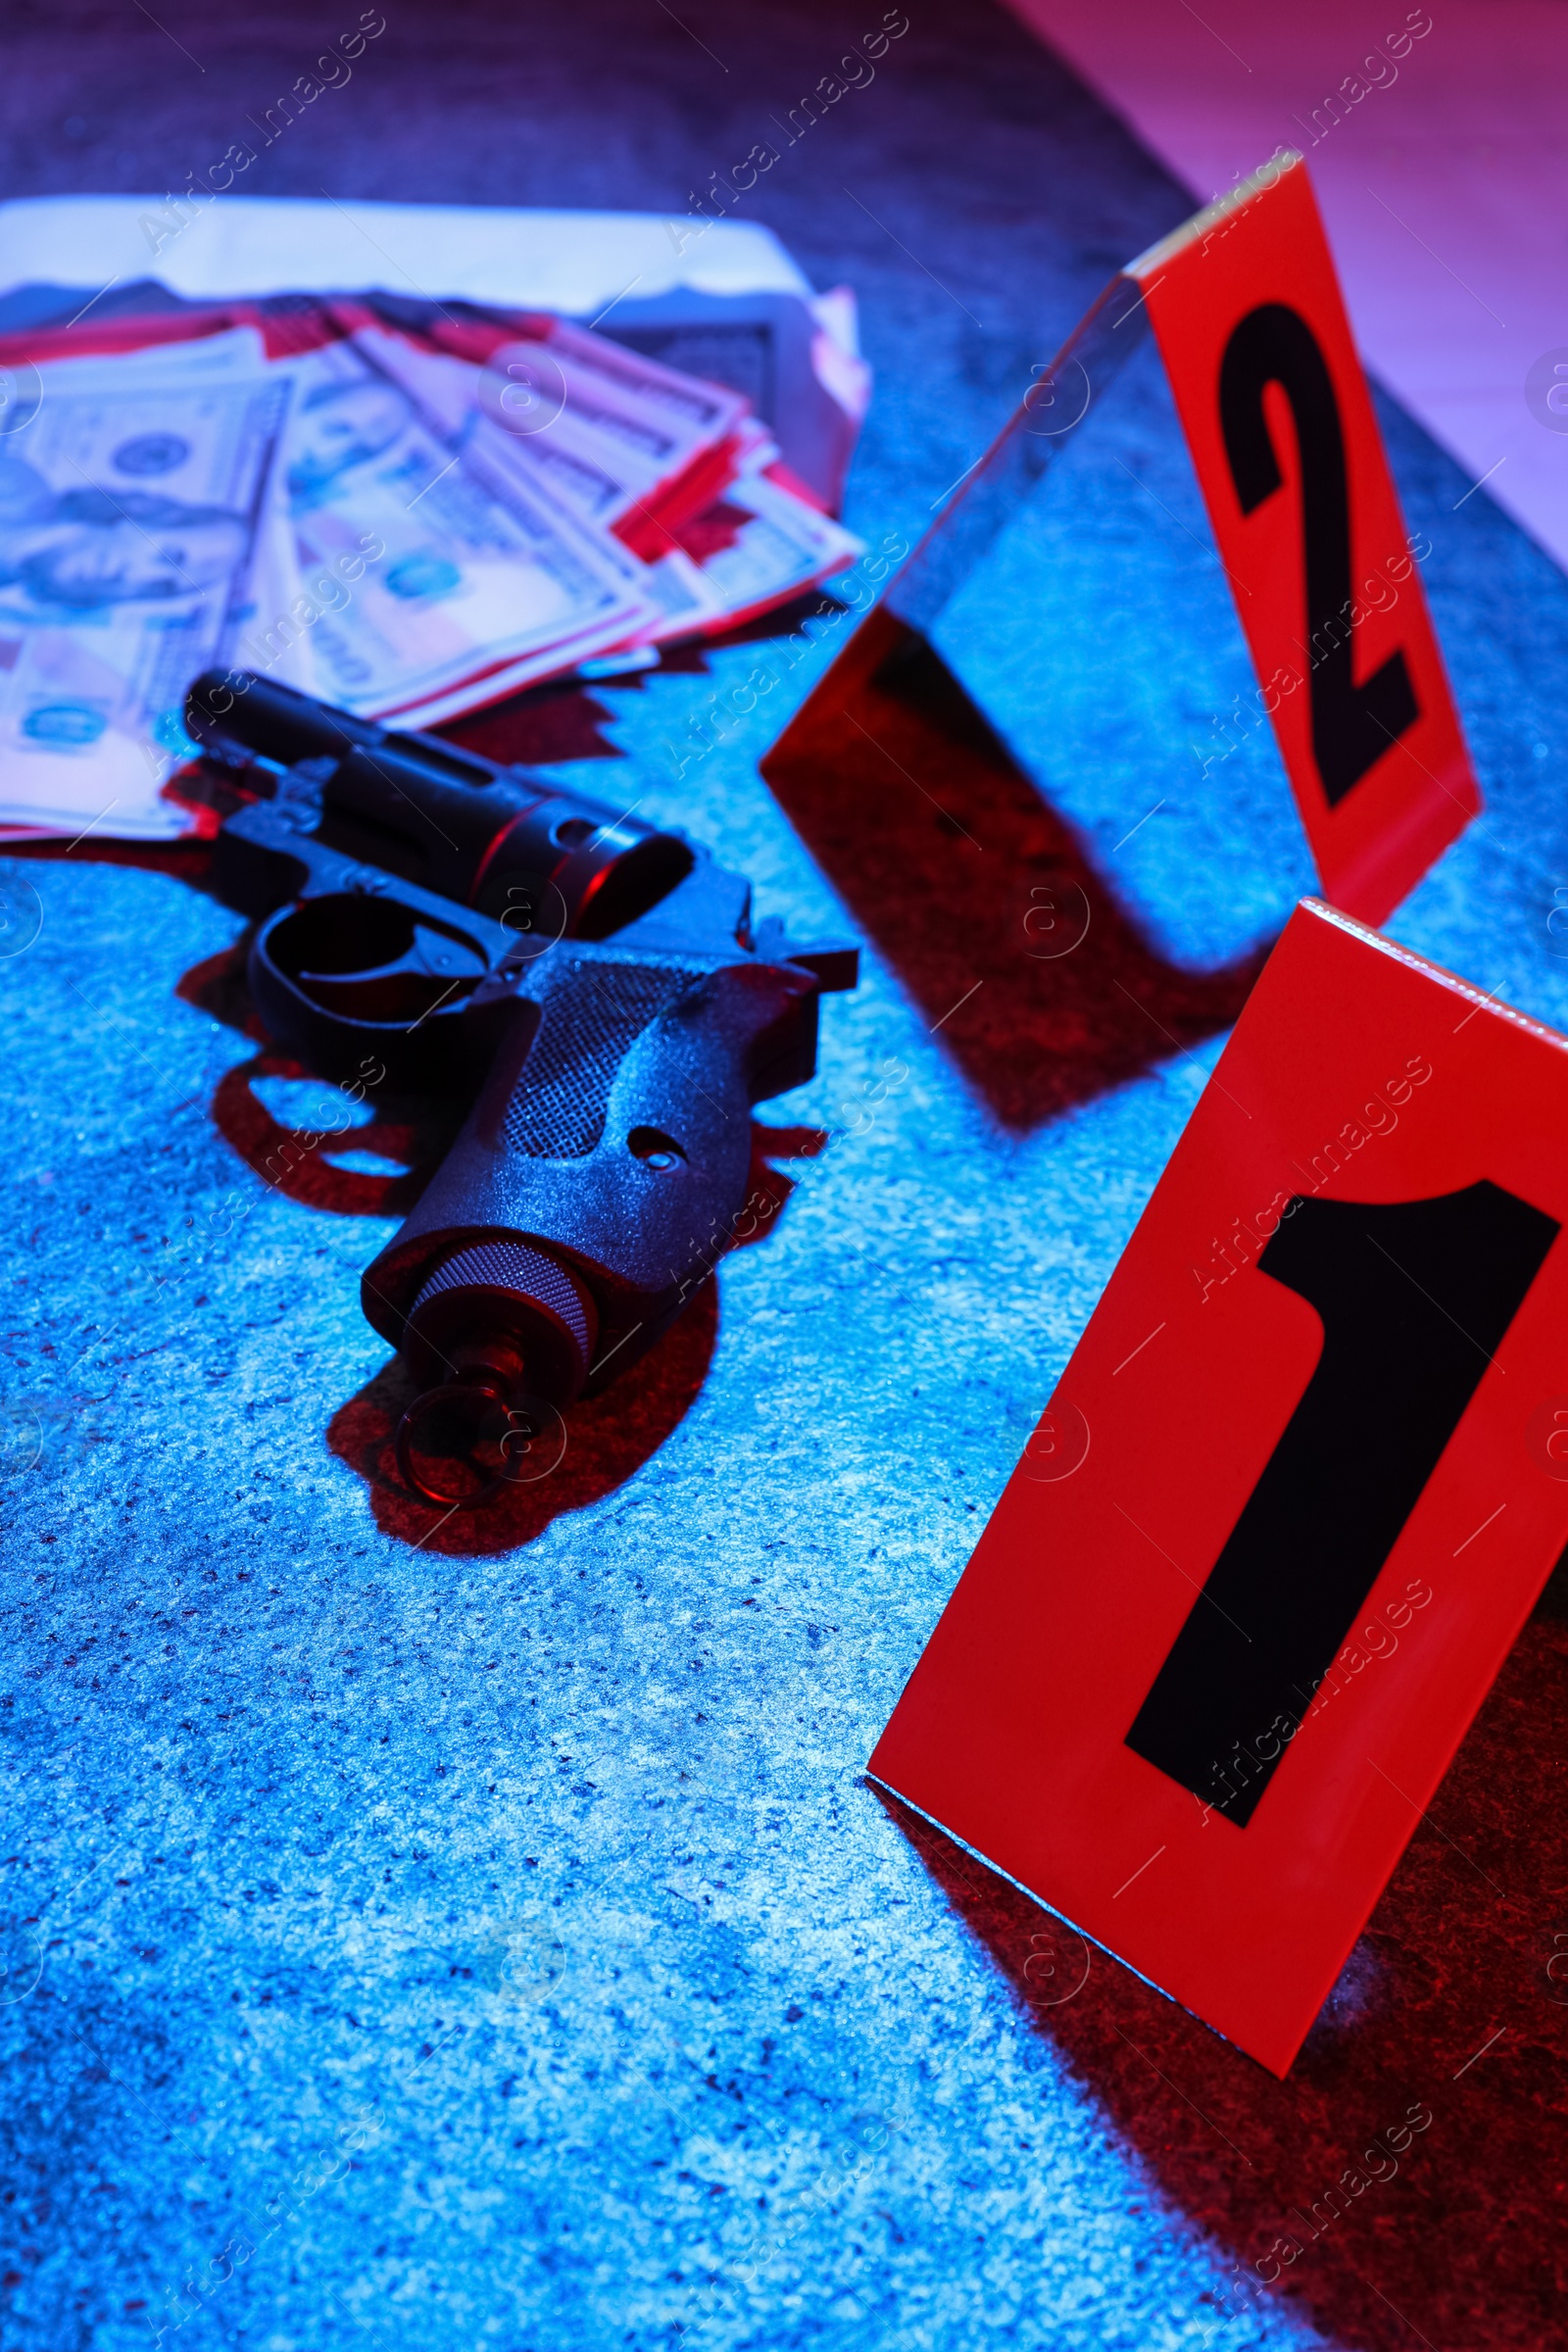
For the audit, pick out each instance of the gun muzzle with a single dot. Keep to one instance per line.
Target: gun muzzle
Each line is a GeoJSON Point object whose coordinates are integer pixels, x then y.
{"type": "Point", "coordinates": [541, 860]}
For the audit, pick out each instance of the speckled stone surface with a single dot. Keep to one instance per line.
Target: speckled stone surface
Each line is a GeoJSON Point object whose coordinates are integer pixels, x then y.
{"type": "Point", "coordinates": [446, 1937]}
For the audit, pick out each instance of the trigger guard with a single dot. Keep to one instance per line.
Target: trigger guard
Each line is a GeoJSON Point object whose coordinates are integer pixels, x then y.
{"type": "Point", "coordinates": [440, 1050]}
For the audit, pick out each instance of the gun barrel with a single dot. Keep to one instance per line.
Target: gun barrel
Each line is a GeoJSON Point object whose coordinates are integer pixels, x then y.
{"type": "Point", "coordinates": [501, 839]}
{"type": "Point", "coordinates": [235, 709]}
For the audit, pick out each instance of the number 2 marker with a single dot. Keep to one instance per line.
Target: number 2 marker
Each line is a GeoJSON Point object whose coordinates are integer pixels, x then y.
{"type": "Point", "coordinates": [1246, 311]}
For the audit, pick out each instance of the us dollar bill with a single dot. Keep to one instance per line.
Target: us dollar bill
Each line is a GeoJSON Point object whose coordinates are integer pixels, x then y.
{"type": "Point", "coordinates": [754, 543]}
{"type": "Point", "coordinates": [475, 575]}
{"type": "Point", "coordinates": [133, 497]}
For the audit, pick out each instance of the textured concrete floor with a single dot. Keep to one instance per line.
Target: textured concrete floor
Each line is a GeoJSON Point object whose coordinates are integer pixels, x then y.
{"type": "Point", "coordinates": [447, 1940]}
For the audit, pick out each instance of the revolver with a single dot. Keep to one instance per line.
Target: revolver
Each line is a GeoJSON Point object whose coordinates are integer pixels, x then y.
{"type": "Point", "coordinates": [592, 988]}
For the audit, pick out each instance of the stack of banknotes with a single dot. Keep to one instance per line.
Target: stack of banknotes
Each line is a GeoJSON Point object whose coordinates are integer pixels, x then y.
{"type": "Point", "coordinates": [409, 523]}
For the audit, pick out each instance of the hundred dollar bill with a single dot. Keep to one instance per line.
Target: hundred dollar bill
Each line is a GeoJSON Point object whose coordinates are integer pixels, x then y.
{"type": "Point", "coordinates": [755, 543]}
{"type": "Point", "coordinates": [134, 494]}
{"type": "Point", "coordinates": [470, 573]}
{"type": "Point", "coordinates": [760, 544]}
{"type": "Point", "coordinates": [682, 605]}
{"type": "Point", "coordinates": [639, 443]}
{"type": "Point", "coordinates": [628, 446]}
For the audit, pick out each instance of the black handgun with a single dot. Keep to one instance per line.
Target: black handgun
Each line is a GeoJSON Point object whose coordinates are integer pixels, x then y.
{"type": "Point", "coordinates": [595, 986]}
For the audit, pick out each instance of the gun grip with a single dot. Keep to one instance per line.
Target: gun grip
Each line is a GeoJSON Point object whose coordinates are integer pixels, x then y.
{"type": "Point", "coordinates": [611, 1146]}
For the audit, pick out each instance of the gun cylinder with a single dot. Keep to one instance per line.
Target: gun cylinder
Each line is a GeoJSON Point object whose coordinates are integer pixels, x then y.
{"type": "Point", "coordinates": [547, 864]}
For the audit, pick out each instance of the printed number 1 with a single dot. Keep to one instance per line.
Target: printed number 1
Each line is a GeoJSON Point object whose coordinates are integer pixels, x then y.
{"type": "Point", "coordinates": [1352, 727]}
{"type": "Point", "coordinates": [1415, 1297]}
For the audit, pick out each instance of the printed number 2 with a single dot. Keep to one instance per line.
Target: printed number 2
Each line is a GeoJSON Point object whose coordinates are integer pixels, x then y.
{"type": "Point", "coordinates": [1352, 727]}
{"type": "Point", "coordinates": [1415, 1297]}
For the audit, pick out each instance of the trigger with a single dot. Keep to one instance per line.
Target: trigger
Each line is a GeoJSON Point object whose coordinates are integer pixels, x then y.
{"type": "Point", "coordinates": [430, 954]}
{"type": "Point", "coordinates": [434, 970]}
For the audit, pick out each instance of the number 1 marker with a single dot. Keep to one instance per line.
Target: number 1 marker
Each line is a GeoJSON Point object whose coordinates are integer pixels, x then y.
{"type": "Point", "coordinates": [1346, 1439]}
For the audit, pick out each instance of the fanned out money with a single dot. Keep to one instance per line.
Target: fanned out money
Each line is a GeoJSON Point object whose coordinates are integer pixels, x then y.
{"type": "Point", "coordinates": [136, 521]}
{"type": "Point", "coordinates": [409, 524]}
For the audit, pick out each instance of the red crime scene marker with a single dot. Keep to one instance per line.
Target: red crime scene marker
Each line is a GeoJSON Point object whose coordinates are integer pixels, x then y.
{"type": "Point", "coordinates": [1246, 311]}
{"type": "Point", "coordinates": [1298, 1490]}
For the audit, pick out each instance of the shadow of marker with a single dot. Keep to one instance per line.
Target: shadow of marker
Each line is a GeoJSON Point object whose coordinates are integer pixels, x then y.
{"type": "Point", "coordinates": [970, 885]}
{"type": "Point", "coordinates": [1466, 2241]}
